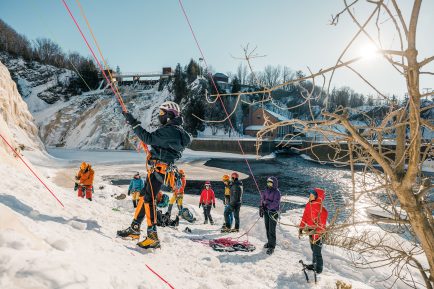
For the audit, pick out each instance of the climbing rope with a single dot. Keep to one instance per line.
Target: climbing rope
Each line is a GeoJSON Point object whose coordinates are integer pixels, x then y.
{"type": "Point", "coordinates": [223, 105]}
{"type": "Point", "coordinates": [96, 43]}
{"type": "Point", "coordinates": [218, 94]}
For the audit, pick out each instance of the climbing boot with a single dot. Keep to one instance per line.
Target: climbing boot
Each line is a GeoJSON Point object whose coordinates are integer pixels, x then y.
{"type": "Point", "coordinates": [132, 231]}
{"type": "Point", "coordinates": [270, 251]}
{"type": "Point", "coordinates": [151, 242]}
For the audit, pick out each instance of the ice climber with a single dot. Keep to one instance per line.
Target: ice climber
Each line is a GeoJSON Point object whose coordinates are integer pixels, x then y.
{"type": "Point", "coordinates": [227, 198]}
{"type": "Point", "coordinates": [313, 223]}
{"type": "Point", "coordinates": [84, 181]}
{"type": "Point", "coordinates": [207, 199]}
{"type": "Point", "coordinates": [236, 189]}
{"type": "Point", "coordinates": [178, 194]}
{"type": "Point", "coordinates": [136, 185]}
{"type": "Point", "coordinates": [269, 210]}
{"type": "Point", "coordinates": [167, 144]}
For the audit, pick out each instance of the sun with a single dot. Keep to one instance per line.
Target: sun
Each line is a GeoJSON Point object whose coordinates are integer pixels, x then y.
{"type": "Point", "coordinates": [368, 51]}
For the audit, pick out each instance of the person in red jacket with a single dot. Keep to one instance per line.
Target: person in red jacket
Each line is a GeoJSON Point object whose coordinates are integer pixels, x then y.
{"type": "Point", "coordinates": [313, 223]}
{"type": "Point", "coordinates": [207, 198]}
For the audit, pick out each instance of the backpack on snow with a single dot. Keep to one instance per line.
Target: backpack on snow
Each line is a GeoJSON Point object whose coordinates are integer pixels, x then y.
{"type": "Point", "coordinates": [187, 215]}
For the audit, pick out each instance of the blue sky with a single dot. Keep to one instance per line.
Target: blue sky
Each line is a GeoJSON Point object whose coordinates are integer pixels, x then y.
{"type": "Point", "coordinates": [147, 35]}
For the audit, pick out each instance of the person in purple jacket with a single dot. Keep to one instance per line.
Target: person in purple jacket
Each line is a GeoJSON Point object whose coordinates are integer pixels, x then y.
{"type": "Point", "coordinates": [269, 210]}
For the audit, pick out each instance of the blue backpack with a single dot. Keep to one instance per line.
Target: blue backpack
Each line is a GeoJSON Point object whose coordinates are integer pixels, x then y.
{"type": "Point", "coordinates": [187, 215]}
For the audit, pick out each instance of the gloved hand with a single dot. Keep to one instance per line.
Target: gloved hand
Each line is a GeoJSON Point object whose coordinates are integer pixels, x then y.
{"type": "Point", "coordinates": [213, 205]}
{"type": "Point", "coordinates": [261, 211]}
{"type": "Point", "coordinates": [75, 186]}
{"type": "Point", "coordinates": [200, 204]}
{"type": "Point", "coordinates": [77, 177]}
{"type": "Point", "coordinates": [129, 192]}
{"type": "Point", "coordinates": [300, 232]}
{"type": "Point", "coordinates": [130, 119]}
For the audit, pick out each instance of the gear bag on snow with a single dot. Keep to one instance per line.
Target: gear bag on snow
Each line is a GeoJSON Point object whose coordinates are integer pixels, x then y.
{"type": "Point", "coordinates": [187, 215]}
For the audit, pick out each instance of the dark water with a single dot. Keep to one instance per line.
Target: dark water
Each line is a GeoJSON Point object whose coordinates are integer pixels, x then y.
{"type": "Point", "coordinates": [293, 173]}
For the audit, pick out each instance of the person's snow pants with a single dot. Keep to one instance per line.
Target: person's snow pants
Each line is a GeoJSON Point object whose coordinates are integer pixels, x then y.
{"type": "Point", "coordinates": [207, 213]}
{"type": "Point", "coordinates": [235, 209]}
{"type": "Point", "coordinates": [270, 219]}
{"type": "Point", "coordinates": [87, 191]}
{"type": "Point", "coordinates": [147, 201]}
{"type": "Point", "coordinates": [317, 261]}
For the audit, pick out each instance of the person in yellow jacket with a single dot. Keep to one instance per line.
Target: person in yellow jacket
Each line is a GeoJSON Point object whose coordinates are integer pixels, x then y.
{"type": "Point", "coordinates": [178, 195]}
{"type": "Point", "coordinates": [84, 181]}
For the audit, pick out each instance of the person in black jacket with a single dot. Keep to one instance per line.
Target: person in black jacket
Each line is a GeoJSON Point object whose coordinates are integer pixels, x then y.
{"type": "Point", "coordinates": [236, 188]}
{"type": "Point", "coordinates": [167, 142]}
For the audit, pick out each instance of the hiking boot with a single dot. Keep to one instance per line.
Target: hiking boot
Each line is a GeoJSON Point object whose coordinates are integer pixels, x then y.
{"type": "Point", "coordinates": [225, 230]}
{"type": "Point", "coordinates": [205, 222]}
{"type": "Point", "coordinates": [151, 242]}
{"type": "Point", "coordinates": [212, 222]}
{"type": "Point", "coordinates": [310, 267]}
{"type": "Point", "coordinates": [270, 251]}
{"type": "Point", "coordinates": [235, 230]}
{"type": "Point", "coordinates": [129, 233]}
{"type": "Point", "coordinates": [266, 246]}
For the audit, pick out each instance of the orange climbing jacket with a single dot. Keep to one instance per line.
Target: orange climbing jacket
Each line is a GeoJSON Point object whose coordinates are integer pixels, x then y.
{"type": "Point", "coordinates": [85, 175]}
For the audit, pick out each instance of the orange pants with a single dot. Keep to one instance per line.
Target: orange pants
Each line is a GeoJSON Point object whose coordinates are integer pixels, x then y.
{"type": "Point", "coordinates": [147, 201]}
{"type": "Point", "coordinates": [88, 191]}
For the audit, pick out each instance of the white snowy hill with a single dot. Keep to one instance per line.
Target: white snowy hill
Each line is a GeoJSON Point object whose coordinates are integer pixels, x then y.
{"type": "Point", "coordinates": [45, 245]}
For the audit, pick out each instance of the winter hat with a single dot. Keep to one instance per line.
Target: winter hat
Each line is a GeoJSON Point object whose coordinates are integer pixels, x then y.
{"type": "Point", "coordinates": [137, 174]}
{"type": "Point", "coordinates": [270, 180]}
{"type": "Point", "coordinates": [207, 183]}
{"type": "Point", "coordinates": [312, 191]}
{"type": "Point", "coordinates": [235, 175]}
{"type": "Point", "coordinates": [225, 178]}
{"type": "Point", "coordinates": [83, 166]}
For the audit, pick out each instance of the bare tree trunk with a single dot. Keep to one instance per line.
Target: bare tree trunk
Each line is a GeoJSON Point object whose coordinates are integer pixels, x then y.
{"type": "Point", "coordinates": [409, 202]}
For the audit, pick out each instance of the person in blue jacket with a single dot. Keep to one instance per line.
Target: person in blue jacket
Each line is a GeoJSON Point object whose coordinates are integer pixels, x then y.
{"type": "Point", "coordinates": [269, 210]}
{"type": "Point", "coordinates": [136, 185]}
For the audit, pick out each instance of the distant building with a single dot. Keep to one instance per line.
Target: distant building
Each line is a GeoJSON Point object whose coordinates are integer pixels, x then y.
{"type": "Point", "coordinates": [221, 77]}
{"type": "Point", "coordinates": [254, 122]}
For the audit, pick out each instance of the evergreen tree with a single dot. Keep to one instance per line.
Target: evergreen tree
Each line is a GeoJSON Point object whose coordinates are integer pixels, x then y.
{"type": "Point", "coordinates": [179, 84]}
{"type": "Point", "coordinates": [192, 71]}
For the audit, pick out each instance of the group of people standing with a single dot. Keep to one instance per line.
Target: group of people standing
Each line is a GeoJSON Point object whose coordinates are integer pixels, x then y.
{"type": "Point", "coordinates": [168, 143]}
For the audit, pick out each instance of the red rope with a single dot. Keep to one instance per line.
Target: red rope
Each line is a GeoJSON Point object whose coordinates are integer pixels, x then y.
{"type": "Point", "coordinates": [25, 163]}
{"type": "Point", "coordinates": [94, 56]}
{"type": "Point", "coordinates": [118, 96]}
{"type": "Point", "coordinates": [218, 93]}
{"type": "Point", "coordinates": [161, 278]}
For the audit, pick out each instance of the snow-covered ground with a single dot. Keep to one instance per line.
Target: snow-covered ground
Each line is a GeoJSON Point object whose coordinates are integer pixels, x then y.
{"type": "Point", "coordinates": [43, 245]}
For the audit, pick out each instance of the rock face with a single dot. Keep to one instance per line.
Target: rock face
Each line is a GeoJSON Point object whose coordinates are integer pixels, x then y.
{"type": "Point", "coordinates": [16, 122]}
{"type": "Point", "coordinates": [39, 84]}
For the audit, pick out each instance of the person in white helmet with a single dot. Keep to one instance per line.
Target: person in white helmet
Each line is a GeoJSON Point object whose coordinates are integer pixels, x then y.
{"type": "Point", "coordinates": [167, 142]}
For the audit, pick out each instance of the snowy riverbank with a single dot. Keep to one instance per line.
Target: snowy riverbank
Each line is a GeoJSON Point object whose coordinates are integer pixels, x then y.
{"type": "Point", "coordinates": [43, 245]}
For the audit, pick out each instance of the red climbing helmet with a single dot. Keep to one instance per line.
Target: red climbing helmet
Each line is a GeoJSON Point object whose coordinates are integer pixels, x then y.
{"type": "Point", "coordinates": [234, 175]}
